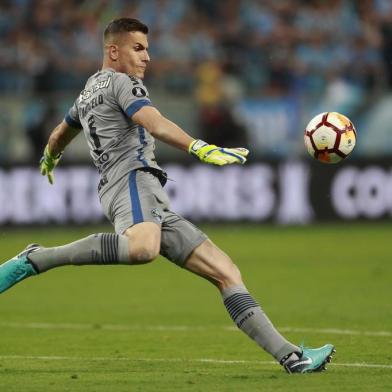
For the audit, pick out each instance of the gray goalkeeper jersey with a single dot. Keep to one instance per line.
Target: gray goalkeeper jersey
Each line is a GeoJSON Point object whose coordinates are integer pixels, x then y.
{"type": "Point", "coordinates": [104, 110]}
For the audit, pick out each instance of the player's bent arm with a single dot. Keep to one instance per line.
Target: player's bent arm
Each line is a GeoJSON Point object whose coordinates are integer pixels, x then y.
{"type": "Point", "coordinates": [168, 132]}
{"type": "Point", "coordinates": [60, 137]}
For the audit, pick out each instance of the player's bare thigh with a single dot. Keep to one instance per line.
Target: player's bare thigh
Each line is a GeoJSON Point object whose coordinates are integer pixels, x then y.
{"type": "Point", "coordinates": [144, 242]}
{"type": "Point", "coordinates": [210, 262]}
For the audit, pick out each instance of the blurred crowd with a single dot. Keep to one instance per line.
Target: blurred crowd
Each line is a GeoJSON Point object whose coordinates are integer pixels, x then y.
{"type": "Point", "coordinates": [267, 45]}
{"type": "Point", "coordinates": [217, 50]}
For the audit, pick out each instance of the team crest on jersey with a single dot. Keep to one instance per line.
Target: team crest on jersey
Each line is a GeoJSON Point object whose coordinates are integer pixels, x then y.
{"type": "Point", "coordinates": [139, 92]}
{"type": "Point", "coordinates": [155, 213]}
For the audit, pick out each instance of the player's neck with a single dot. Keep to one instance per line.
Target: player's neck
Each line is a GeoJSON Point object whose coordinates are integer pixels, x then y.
{"type": "Point", "coordinates": [109, 64]}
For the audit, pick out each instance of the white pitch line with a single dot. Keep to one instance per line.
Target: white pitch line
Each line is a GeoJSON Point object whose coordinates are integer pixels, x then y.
{"type": "Point", "coordinates": [337, 331]}
{"type": "Point", "coordinates": [107, 327]}
{"type": "Point", "coordinates": [122, 327]}
{"type": "Point", "coordinates": [175, 360]}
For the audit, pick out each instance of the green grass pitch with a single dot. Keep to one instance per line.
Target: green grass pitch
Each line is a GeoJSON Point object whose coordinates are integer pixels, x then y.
{"type": "Point", "coordinates": [159, 328]}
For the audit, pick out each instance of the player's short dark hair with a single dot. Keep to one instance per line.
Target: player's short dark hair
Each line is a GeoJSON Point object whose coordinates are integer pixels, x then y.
{"type": "Point", "coordinates": [123, 25]}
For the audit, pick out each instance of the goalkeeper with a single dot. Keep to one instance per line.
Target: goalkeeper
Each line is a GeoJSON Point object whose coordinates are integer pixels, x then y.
{"type": "Point", "coordinates": [120, 124]}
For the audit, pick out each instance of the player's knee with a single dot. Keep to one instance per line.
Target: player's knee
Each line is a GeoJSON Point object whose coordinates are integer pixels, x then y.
{"type": "Point", "coordinates": [231, 276]}
{"type": "Point", "coordinates": [227, 277]}
{"type": "Point", "coordinates": [210, 262]}
{"type": "Point", "coordinates": [144, 242]}
{"type": "Point", "coordinates": [144, 253]}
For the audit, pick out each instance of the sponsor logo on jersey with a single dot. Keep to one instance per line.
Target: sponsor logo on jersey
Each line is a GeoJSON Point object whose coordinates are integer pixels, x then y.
{"type": "Point", "coordinates": [135, 81]}
{"type": "Point", "coordinates": [139, 92]}
{"type": "Point", "coordinates": [86, 94]}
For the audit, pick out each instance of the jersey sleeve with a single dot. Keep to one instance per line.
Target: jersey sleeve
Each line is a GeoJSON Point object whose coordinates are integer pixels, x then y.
{"type": "Point", "coordinates": [72, 117]}
{"type": "Point", "coordinates": [130, 93]}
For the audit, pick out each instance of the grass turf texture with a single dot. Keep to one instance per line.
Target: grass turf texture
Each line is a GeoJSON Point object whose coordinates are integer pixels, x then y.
{"type": "Point", "coordinates": [156, 327]}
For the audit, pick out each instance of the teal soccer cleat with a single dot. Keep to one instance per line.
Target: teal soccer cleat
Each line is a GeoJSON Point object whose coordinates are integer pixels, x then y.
{"type": "Point", "coordinates": [311, 360]}
{"type": "Point", "coordinates": [17, 269]}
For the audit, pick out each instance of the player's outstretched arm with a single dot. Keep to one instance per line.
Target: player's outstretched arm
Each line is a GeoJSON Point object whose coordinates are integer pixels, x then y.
{"type": "Point", "coordinates": [170, 133]}
{"type": "Point", "coordinates": [60, 137]}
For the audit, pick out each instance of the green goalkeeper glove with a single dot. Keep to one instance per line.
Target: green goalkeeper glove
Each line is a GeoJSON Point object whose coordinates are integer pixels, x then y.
{"type": "Point", "coordinates": [48, 163]}
{"type": "Point", "coordinates": [209, 153]}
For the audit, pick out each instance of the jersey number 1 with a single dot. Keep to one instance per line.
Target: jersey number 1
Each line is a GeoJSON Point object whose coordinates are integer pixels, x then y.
{"type": "Point", "coordinates": [94, 136]}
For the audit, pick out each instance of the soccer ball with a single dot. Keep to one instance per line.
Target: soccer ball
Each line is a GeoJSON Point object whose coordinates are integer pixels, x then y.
{"type": "Point", "coordinates": [330, 137]}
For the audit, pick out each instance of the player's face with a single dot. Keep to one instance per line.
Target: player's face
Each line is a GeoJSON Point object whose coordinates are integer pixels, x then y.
{"type": "Point", "coordinates": [133, 54]}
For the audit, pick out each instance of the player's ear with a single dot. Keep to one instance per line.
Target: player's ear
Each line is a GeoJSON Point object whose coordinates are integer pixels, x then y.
{"type": "Point", "coordinates": [113, 52]}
